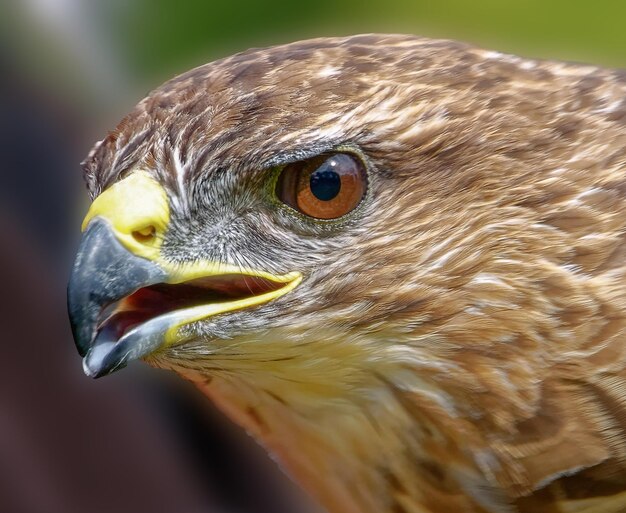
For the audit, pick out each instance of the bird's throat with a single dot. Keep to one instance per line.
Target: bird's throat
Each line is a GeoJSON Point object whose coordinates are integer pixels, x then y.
{"type": "Point", "coordinates": [351, 456]}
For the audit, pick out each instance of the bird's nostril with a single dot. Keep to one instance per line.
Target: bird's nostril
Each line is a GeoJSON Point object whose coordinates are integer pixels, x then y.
{"type": "Point", "coordinates": [145, 235]}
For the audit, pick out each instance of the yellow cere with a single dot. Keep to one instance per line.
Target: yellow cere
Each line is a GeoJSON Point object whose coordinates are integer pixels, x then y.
{"type": "Point", "coordinates": [136, 207]}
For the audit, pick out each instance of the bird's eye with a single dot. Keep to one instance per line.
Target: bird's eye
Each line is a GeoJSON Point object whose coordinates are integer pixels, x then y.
{"type": "Point", "coordinates": [324, 187]}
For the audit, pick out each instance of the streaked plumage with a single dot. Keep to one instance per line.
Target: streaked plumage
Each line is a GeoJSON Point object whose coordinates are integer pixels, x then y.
{"type": "Point", "coordinates": [458, 344]}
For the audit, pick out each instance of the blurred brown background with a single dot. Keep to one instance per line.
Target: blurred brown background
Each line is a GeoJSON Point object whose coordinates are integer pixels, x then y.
{"type": "Point", "coordinates": [142, 440]}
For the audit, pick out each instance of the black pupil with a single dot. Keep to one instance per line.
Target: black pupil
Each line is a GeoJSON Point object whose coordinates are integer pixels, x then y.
{"type": "Point", "coordinates": [325, 183]}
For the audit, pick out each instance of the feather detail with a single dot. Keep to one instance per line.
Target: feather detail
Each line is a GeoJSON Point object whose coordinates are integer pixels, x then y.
{"type": "Point", "coordinates": [457, 343]}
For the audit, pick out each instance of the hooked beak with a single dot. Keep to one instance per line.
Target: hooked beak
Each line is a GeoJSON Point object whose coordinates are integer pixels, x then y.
{"type": "Point", "coordinates": [125, 301]}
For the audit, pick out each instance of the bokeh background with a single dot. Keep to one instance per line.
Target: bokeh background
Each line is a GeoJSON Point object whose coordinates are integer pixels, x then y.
{"type": "Point", "coordinates": [142, 440]}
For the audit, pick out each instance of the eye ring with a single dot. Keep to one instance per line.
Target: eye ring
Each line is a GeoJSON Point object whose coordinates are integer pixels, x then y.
{"type": "Point", "coordinates": [327, 186]}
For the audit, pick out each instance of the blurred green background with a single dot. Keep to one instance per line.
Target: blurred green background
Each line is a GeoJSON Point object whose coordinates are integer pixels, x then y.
{"type": "Point", "coordinates": [541, 28]}
{"type": "Point", "coordinates": [112, 47]}
{"type": "Point", "coordinates": [142, 440]}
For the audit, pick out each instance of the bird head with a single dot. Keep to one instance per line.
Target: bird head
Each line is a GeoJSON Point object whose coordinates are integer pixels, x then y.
{"type": "Point", "coordinates": [284, 195]}
{"type": "Point", "coordinates": [368, 237]}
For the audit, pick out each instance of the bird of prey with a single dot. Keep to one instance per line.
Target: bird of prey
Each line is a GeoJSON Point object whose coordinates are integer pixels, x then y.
{"type": "Point", "coordinates": [399, 263]}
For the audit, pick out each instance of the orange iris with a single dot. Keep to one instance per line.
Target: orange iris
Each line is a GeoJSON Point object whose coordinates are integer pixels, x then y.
{"type": "Point", "coordinates": [324, 187]}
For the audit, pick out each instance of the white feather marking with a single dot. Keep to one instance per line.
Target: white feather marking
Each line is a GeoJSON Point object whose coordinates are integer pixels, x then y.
{"type": "Point", "coordinates": [328, 71]}
{"type": "Point", "coordinates": [487, 279]}
{"type": "Point", "coordinates": [443, 259]}
{"type": "Point", "coordinates": [181, 170]}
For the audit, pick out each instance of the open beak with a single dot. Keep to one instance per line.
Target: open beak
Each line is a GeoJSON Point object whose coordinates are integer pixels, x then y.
{"type": "Point", "coordinates": [125, 301]}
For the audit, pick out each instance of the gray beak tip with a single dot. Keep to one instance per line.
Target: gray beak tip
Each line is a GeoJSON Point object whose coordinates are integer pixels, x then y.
{"type": "Point", "coordinates": [89, 372]}
{"type": "Point", "coordinates": [103, 273]}
{"type": "Point", "coordinates": [97, 362]}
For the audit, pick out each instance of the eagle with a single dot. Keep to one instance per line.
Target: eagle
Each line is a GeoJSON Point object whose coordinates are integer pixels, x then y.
{"type": "Point", "coordinates": [399, 263]}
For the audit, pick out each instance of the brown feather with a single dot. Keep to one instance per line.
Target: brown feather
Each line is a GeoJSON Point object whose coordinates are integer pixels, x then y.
{"type": "Point", "coordinates": [462, 349]}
